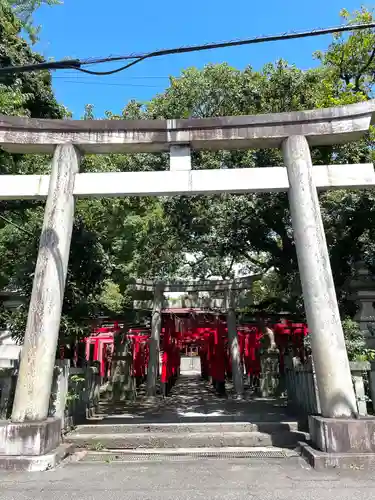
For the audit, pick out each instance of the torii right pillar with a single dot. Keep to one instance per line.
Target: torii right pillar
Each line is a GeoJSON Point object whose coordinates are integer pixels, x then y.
{"type": "Point", "coordinates": [338, 430]}
{"type": "Point", "coordinates": [335, 387]}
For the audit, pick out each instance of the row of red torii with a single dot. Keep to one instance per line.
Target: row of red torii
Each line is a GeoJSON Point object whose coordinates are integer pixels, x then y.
{"type": "Point", "coordinates": [294, 133]}
{"type": "Point", "coordinates": [208, 333]}
{"type": "Point", "coordinates": [229, 290]}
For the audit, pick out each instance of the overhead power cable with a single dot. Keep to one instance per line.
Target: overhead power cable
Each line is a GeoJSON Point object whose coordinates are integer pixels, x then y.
{"type": "Point", "coordinates": [75, 77]}
{"type": "Point", "coordinates": [78, 64]}
{"type": "Point", "coordinates": [111, 84]}
{"type": "Point", "coordinates": [16, 225]}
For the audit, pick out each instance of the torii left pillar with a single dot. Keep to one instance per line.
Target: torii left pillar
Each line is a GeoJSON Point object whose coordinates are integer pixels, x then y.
{"type": "Point", "coordinates": [34, 382]}
{"type": "Point", "coordinates": [237, 370]}
{"type": "Point", "coordinates": [153, 363]}
{"type": "Point", "coordinates": [30, 440]}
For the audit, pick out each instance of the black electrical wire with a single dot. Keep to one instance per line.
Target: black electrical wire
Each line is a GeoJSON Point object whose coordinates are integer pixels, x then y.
{"type": "Point", "coordinates": [113, 84]}
{"type": "Point", "coordinates": [137, 58]}
{"type": "Point", "coordinates": [66, 64]}
{"type": "Point", "coordinates": [219, 45]}
{"type": "Point", "coordinates": [113, 71]}
{"type": "Point", "coordinates": [16, 225]}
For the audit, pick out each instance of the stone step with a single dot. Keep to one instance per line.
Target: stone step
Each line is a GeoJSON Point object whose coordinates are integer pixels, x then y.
{"type": "Point", "coordinates": [260, 415]}
{"type": "Point", "coordinates": [154, 440]}
{"type": "Point", "coordinates": [191, 427]}
{"type": "Point", "coordinates": [183, 454]}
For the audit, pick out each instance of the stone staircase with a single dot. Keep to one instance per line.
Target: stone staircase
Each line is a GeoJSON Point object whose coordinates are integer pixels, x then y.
{"type": "Point", "coordinates": [194, 422]}
{"type": "Point", "coordinates": [130, 442]}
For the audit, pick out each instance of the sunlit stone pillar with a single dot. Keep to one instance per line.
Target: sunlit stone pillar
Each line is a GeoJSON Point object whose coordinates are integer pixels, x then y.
{"type": "Point", "coordinates": [331, 362]}
{"type": "Point", "coordinates": [38, 354]}
{"type": "Point", "coordinates": [153, 363]}
{"type": "Point", "coordinates": [237, 370]}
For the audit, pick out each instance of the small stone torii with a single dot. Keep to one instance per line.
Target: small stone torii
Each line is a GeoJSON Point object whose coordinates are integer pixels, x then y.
{"type": "Point", "coordinates": [230, 288]}
{"type": "Point", "coordinates": [68, 140]}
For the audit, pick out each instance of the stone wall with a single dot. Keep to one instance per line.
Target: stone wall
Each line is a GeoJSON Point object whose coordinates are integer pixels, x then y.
{"type": "Point", "coordinates": [74, 396]}
{"type": "Point", "coordinates": [302, 392]}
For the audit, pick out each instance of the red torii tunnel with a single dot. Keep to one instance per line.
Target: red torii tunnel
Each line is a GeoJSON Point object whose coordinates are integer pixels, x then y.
{"type": "Point", "coordinates": [206, 336]}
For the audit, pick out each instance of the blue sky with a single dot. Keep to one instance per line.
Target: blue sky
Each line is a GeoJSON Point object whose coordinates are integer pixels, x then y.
{"type": "Point", "coordinates": [89, 28]}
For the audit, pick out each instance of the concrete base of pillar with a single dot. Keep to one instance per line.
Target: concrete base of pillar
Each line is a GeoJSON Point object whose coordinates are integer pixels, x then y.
{"type": "Point", "coordinates": [321, 460]}
{"type": "Point", "coordinates": [342, 435]}
{"type": "Point", "coordinates": [41, 463]}
{"type": "Point", "coordinates": [30, 445]}
{"type": "Point", "coordinates": [29, 438]}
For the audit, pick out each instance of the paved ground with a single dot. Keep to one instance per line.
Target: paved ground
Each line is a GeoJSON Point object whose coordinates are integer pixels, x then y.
{"type": "Point", "coordinates": [194, 400]}
{"type": "Point", "coordinates": [209, 479]}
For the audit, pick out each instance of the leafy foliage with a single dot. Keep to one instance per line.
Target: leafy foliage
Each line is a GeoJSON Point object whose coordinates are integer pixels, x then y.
{"type": "Point", "coordinates": [24, 10]}
{"type": "Point", "coordinates": [117, 240]}
{"type": "Point", "coordinates": [254, 231]}
{"type": "Point", "coordinates": [355, 342]}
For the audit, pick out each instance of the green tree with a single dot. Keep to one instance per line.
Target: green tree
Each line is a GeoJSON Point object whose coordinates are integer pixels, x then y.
{"type": "Point", "coordinates": [31, 94]}
{"type": "Point", "coordinates": [25, 9]}
{"type": "Point", "coordinates": [223, 230]}
{"type": "Point", "coordinates": [117, 240]}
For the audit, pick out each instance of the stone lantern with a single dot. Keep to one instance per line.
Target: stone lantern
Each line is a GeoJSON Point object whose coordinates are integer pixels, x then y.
{"type": "Point", "coordinates": [362, 288]}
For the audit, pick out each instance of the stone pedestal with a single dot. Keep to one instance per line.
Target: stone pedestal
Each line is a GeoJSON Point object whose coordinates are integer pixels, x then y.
{"type": "Point", "coordinates": [32, 446]}
{"type": "Point", "coordinates": [342, 435]}
{"type": "Point", "coordinates": [344, 443]}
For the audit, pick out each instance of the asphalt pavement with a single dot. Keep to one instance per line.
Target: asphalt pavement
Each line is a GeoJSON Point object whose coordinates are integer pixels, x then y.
{"type": "Point", "coordinates": [209, 479]}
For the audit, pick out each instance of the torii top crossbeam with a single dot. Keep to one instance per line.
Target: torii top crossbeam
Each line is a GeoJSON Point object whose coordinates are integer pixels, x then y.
{"type": "Point", "coordinates": [224, 286]}
{"type": "Point", "coordinates": [320, 127]}
{"type": "Point", "coordinates": [196, 286]}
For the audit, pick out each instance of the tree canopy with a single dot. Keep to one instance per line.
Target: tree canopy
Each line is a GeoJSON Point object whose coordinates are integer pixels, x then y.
{"type": "Point", "coordinates": [117, 240]}
{"type": "Point", "coordinates": [24, 10]}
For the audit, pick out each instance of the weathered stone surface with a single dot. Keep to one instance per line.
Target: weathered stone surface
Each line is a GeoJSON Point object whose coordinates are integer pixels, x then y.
{"type": "Point", "coordinates": [336, 393]}
{"type": "Point", "coordinates": [270, 373]}
{"type": "Point", "coordinates": [153, 364]}
{"type": "Point", "coordinates": [321, 126]}
{"type": "Point", "coordinates": [346, 461]}
{"type": "Point", "coordinates": [188, 182]}
{"type": "Point", "coordinates": [29, 439]}
{"type": "Point", "coordinates": [237, 368]}
{"type": "Point", "coordinates": [35, 376]}
{"type": "Point", "coordinates": [335, 435]}
{"type": "Point", "coordinates": [59, 391]}
{"type": "Point", "coordinates": [39, 463]}
{"type": "Point", "coordinates": [189, 286]}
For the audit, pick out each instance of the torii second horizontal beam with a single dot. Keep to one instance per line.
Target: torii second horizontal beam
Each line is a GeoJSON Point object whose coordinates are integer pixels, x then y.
{"type": "Point", "coordinates": [190, 182]}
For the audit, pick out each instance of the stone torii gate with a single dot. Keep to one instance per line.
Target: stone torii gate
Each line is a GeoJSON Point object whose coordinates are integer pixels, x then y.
{"type": "Point", "coordinates": [68, 140]}
{"type": "Point", "coordinates": [230, 289]}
